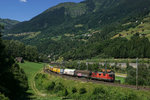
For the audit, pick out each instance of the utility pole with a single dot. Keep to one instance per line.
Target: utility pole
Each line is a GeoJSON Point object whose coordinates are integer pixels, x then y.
{"type": "Point", "coordinates": [137, 73]}
{"type": "Point", "coordinates": [44, 67]}
{"type": "Point", "coordinates": [87, 65]}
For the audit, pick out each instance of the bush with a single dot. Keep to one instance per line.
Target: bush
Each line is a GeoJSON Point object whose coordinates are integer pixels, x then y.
{"type": "Point", "coordinates": [39, 75]}
{"type": "Point", "coordinates": [100, 92]}
{"type": "Point", "coordinates": [82, 91]}
{"type": "Point", "coordinates": [127, 96]}
{"type": "Point", "coordinates": [59, 87]}
{"type": "Point", "coordinates": [2, 97]}
{"type": "Point", "coordinates": [96, 91]}
{"type": "Point", "coordinates": [51, 86]}
{"type": "Point", "coordinates": [65, 92]}
{"type": "Point", "coordinates": [132, 96]}
{"type": "Point", "coordinates": [143, 75]}
{"type": "Point", "coordinates": [44, 76]}
{"type": "Point", "coordinates": [74, 90]}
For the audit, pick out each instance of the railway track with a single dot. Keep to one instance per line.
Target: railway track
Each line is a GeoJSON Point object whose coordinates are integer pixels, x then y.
{"type": "Point", "coordinates": [98, 82]}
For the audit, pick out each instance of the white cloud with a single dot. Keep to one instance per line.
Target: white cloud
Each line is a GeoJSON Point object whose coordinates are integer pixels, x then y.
{"type": "Point", "coordinates": [23, 0]}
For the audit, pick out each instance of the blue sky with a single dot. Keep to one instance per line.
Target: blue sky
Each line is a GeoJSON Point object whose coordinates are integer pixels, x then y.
{"type": "Point", "coordinates": [26, 9]}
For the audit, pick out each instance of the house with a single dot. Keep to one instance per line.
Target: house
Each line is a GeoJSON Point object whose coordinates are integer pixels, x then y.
{"type": "Point", "coordinates": [20, 59]}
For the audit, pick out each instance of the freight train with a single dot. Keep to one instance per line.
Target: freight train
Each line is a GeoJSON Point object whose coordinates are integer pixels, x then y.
{"type": "Point", "coordinates": [105, 75]}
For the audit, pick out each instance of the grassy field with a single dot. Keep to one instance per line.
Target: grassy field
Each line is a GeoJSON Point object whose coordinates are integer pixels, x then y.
{"type": "Point", "coordinates": [122, 79]}
{"type": "Point", "coordinates": [31, 69]}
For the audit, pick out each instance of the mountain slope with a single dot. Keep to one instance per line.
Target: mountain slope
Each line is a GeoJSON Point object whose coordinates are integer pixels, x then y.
{"type": "Point", "coordinates": [52, 17]}
{"type": "Point", "coordinates": [143, 29]}
{"type": "Point", "coordinates": [90, 13]}
{"type": "Point", "coordinates": [70, 26]}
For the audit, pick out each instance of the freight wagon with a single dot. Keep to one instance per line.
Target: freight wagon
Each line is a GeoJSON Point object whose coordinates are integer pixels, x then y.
{"type": "Point", "coordinates": [61, 71]}
{"type": "Point", "coordinates": [69, 72]}
{"type": "Point", "coordinates": [82, 73]}
{"type": "Point", "coordinates": [51, 68]}
{"type": "Point", "coordinates": [54, 70]}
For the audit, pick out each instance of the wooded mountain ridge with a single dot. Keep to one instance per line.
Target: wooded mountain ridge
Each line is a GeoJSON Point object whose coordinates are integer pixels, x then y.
{"type": "Point", "coordinates": [8, 23]}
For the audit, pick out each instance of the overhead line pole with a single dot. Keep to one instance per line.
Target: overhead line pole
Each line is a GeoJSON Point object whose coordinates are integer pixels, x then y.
{"type": "Point", "coordinates": [87, 65]}
{"type": "Point", "coordinates": [105, 66]}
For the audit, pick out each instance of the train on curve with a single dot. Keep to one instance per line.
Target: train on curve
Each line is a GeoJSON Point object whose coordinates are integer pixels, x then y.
{"type": "Point", "coordinates": [105, 75]}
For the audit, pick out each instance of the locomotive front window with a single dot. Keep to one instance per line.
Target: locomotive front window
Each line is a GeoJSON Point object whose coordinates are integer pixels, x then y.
{"type": "Point", "coordinates": [111, 75]}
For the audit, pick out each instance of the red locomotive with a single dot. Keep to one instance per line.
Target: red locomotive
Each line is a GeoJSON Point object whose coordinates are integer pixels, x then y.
{"type": "Point", "coordinates": [105, 76]}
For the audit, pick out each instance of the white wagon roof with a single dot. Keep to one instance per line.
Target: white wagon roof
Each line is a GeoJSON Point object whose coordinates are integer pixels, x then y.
{"type": "Point", "coordinates": [69, 69]}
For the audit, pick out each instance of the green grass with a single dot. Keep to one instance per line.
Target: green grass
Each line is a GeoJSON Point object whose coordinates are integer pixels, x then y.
{"type": "Point", "coordinates": [31, 69]}
{"type": "Point", "coordinates": [122, 79]}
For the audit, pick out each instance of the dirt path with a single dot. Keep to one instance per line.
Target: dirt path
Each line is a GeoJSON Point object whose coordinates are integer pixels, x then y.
{"type": "Point", "coordinates": [33, 86]}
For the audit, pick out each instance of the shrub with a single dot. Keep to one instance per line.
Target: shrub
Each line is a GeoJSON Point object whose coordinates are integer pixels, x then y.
{"type": "Point", "coordinates": [96, 91]}
{"type": "Point", "coordinates": [44, 76]}
{"type": "Point", "coordinates": [2, 97]}
{"type": "Point", "coordinates": [82, 91]}
{"type": "Point", "coordinates": [59, 87]}
{"type": "Point", "coordinates": [99, 90]}
{"type": "Point", "coordinates": [51, 86]}
{"type": "Point", "coordinates": [65, 92]}
{"type": "Point", "coordinates": [132, 96]}
{"type": "Point", "coordinates": [38, 76]}
{"type": "Point", "coordinates": [143, 75]}
{"type": "Point", "coordinates": [127, 96]}
{"type": "Point", "coordinates": [74, 90]}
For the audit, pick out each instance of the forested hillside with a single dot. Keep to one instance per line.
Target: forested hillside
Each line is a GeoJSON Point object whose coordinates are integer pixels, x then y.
{"type": "Point", "coordinates": [8, 23]}
{"type": "Point", "coordinates": [86, 29]}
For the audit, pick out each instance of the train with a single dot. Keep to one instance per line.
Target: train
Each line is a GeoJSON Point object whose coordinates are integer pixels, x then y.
{"type": "Point", "coordinates": [105, 75]}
